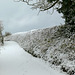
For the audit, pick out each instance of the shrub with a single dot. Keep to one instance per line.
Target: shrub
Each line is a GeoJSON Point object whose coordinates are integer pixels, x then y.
{"type": "Point", "coordinates": [68, 70]}
{"type": "Point", "coordinates": [65, 31]}
{"type": "Point", "coordinates": [7, 33]}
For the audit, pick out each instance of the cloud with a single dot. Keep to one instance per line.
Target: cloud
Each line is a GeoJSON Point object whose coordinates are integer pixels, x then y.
{"type": "Point", "coordinates": [18, 17]}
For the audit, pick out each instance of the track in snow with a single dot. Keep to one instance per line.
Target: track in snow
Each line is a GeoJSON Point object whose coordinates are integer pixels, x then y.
{"type": "Point", "coordinates": [15, 61]}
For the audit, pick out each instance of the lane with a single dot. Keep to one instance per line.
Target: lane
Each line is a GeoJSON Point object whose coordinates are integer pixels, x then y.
{"type": "Point", "coordinates": [15, 61]}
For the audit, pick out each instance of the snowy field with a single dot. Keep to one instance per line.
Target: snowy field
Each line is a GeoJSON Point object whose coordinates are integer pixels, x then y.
{"type": "Point", "coordinates": [15, 61]}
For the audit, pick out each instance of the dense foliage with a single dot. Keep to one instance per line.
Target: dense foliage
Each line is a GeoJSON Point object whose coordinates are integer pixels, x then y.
{"type": "Point", "coordinates": [68, 10]}
{"type": "Point", "coordinates": [65, 31]}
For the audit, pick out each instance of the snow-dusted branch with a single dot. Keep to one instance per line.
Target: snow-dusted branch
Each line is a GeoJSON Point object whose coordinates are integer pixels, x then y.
{"type": "Point", "coordinates": [41, 4]}
{"type": "Point", "coordinates": [50, 6]}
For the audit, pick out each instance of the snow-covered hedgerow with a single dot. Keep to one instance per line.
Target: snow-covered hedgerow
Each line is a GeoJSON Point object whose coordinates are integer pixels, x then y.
{"type": "Point", "coordinates": [55, 45]}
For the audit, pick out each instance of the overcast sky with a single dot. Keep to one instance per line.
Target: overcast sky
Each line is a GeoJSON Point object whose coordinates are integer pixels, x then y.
{"type": "Point", "coordinates": [18, 17]}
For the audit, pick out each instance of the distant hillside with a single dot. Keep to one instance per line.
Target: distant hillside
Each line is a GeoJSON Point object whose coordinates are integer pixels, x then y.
{"type": "Point", "coordinates": [55, 45]}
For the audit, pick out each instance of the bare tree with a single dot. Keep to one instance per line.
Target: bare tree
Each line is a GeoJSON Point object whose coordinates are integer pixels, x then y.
{"type": "Point", "coordinates": [1, 36]}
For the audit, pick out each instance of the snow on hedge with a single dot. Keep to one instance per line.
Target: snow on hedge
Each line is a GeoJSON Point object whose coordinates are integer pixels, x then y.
{"type": "Point", "coordinates": [15, 61]}
{"type": "Point", "coordinates": [55, 45]}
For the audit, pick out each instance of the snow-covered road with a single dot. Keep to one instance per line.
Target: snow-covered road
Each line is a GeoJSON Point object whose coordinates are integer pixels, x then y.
{"type": "Point", "coordinates": [15, 61]}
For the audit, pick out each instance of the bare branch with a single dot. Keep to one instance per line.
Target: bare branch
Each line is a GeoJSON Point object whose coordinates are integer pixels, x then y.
{"type": "Point", "coordinates": [49, 6]}
{"type": "Point", "coordinates": [27, 1]}
{"type": "Point", "coordinates": [43, 5]}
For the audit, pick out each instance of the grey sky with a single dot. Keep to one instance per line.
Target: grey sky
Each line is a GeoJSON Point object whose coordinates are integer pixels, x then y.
{"type": "Point", "coordinates": [18, 17]}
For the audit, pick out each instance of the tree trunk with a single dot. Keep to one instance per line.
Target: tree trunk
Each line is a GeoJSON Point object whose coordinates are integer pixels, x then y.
{"type": "Point", "coordinates": [2, 38]}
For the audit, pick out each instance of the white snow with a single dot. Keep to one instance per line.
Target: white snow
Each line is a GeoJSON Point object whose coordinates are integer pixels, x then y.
{"type": "Point", "coordinates": [15, 61]}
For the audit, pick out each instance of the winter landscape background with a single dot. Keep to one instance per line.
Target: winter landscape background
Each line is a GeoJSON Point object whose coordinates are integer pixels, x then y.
{"type": "Point", "coordinates": [34, 43]}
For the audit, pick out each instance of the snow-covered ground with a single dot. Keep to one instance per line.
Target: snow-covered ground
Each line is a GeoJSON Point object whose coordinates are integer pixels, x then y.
{"type": "Point", "coordinates": [54, 45]}
{"type": "Point", "coordinates": [15, 61]}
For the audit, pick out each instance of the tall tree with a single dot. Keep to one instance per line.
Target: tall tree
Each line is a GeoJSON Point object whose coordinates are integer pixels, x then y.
{"type": "Point", "coordinates": [66, 7]}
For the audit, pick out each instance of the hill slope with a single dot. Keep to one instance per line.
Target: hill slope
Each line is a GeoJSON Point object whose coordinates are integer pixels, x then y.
{"type": "Point", "coordinates": [55, 45]}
